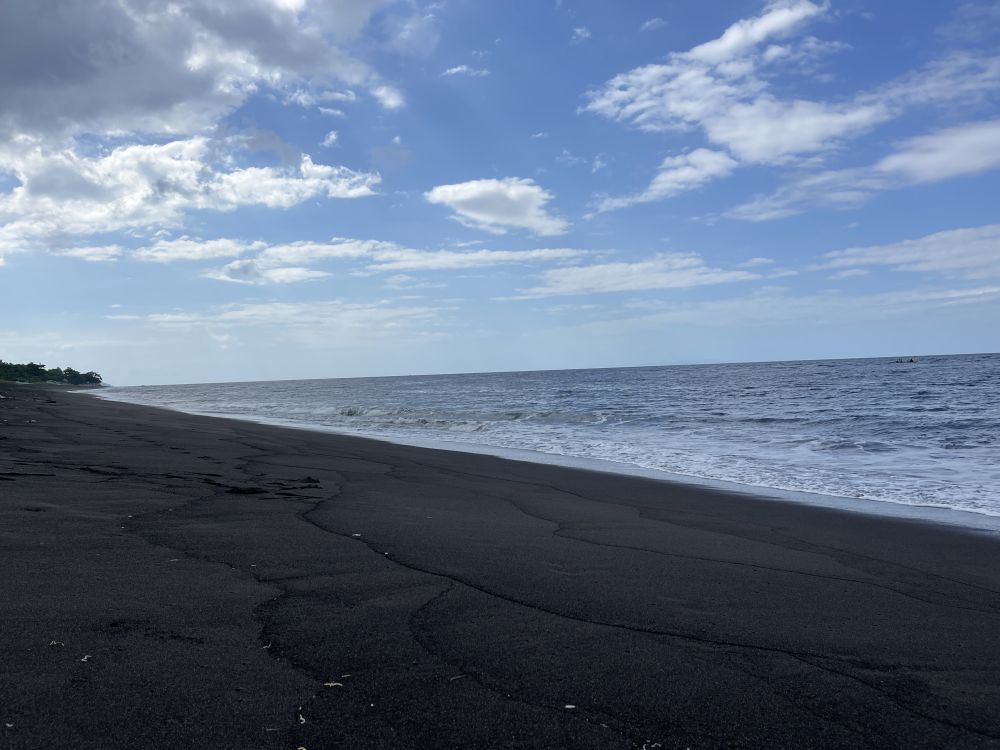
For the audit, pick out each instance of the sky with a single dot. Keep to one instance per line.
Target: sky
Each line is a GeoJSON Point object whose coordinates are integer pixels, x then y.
{"type": "Point", "coordinates": [217, 190]}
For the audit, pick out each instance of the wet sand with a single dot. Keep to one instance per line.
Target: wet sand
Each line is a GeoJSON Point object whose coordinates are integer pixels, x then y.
{"type": "Point", "coordinates": [174, 581]}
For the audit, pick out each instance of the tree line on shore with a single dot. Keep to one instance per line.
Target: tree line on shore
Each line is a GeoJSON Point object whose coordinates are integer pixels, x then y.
{"type": "Point", "coordinates": [32, 372]}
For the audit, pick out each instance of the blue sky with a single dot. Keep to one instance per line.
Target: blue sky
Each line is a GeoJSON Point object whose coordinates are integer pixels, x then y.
{"type": "Point", "coordinates": [217, 190]}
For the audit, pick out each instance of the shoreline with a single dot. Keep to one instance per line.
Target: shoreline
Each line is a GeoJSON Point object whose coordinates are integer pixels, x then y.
{"type": "Point", "coordinates": [973, 520]}
{"type": "Point", "coordinates": [178, 580]}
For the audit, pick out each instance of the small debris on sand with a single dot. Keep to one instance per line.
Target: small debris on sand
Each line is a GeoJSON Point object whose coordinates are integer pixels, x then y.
{"type": "Point", "coordinates": [86, 658]}
{"type": "Point", "coordinates": [56, 643]}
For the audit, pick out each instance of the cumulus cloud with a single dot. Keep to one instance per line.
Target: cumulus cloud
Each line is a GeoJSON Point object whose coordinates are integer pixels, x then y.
{"type": "Point", "coordinates": [131, 65]}
{"type": "Point", "coordinates": [726, 89]}
{"type": "Point", "coordinates": [958, 151]}
{"type": "Point", "coordinates": [663, 271]}
{"type": "Point", "coordinates": [498, 205]}
{"type": "Point", "coordinates": [150, 185]}
{"type": "Point", "coordinates": [653, 24]}
{"type": "Point", "coordinates": [580, 34]}
{"type": "Point", "coordinates": [389, 97]}
{"type": "Point", "coordinates": [702, 87]}
{"type": "Point", "coordinates": [330, 139]}
{"type": "Point", "coordinates": [779, 19]}
{"type": "Point", "coordinates": [678, 174]}
{"type": "Point", "coordinates": [109, 111]}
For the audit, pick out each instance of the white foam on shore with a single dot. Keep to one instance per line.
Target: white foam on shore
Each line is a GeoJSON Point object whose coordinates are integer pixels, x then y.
{"type": "Point", "coordinates": [977, 520]}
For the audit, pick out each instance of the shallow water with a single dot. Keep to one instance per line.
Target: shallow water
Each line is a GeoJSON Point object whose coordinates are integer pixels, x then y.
{"type": "Point", "coordinates": [922, 433]}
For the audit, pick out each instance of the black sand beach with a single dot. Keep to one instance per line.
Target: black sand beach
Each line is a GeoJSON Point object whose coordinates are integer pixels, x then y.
{"type": "Point", "coordinates": [172, 581]}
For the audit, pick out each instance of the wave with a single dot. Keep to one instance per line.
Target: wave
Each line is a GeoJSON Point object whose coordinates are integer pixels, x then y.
{"type": "Point", "coordinates": [845, 428]}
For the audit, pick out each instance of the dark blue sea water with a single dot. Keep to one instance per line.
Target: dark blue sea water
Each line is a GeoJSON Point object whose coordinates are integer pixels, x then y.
{"type": "Point", "coordinates": [921, 433]}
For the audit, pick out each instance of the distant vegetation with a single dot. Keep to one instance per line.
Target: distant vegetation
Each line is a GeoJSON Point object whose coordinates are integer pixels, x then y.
{"type": "Point", "coordinates": [36, 373]}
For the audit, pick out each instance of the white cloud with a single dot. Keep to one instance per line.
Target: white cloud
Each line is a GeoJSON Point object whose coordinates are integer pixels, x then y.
{"type": "Point", "coordinates": [678, 174]}
{"type": "Point", "coordinates": [306, 98]}
{"type": "Point", "coordinates": [94, 254]}
{"type": "Point", "coordinates": [972, 252]}
{"type": "Point", "coordinates": [389, 97]}
{"type": "Point", "coordinates": [114, 66]}
{"type": "Point", "coordinates": [653, 24]}
{"type": "Point", "coordinates": [465, 70]}
{"type": "Point", "coordinates": [539, 135]}
{"type": "Point", "coordinates": [303, 253]}
{"type": "Point", "coordinates": [250, 272]}
{"type": "Point", "coordinates": [960, 78]}
{"type": "Point", "coordinates": [663, 271]}
{"type": "Point", "coordinates": [281, 187]}
{"type": "Point", "coordinates": [963, 150]}
{"type": "Point", "coordinates": [700, 87]}
{"type": "Point", "coordinates": [769, 130]}
{"type": "Point", "coordinates": [498, 205]}
{"type": "Point", "coordinates": [330, 139]}
{"type": "Point", "coordinates": [953, 152]}
{"type": "Point", "coordinates": [726, 89]}
{"type": "Point", "coordinates": [185, 248]}
{"type": "Point", "coordinates": [386, 256]}
{"type": "Point", "coordinates": [141, 186]}
{"type": "Point", "coordinates": [400, 259]}
{"type": "Point", "coordinates": [286, 263]}
{"type": "Point", "coordinates": [580, 34]}
{"type": "Point", "coordinates": [779, 19]}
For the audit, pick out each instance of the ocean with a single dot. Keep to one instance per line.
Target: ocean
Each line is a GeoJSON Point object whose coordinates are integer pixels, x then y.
{"type": "Point", "coordinates": [921, 433]}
